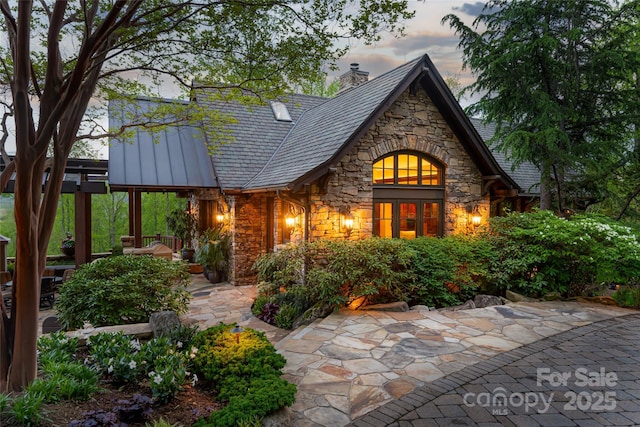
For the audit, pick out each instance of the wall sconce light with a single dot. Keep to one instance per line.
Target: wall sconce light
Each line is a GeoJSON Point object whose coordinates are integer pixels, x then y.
{"type": "Point", "coordinates": [237, 330]}
{"type": "Point", "coordinates": [346, 219]}
{"type": "Point", "coordinates": [290, 218]}
{"type": "Point", "coordinates": [476, 218]}
{"type": "Point", "coordinates": [220, 215]}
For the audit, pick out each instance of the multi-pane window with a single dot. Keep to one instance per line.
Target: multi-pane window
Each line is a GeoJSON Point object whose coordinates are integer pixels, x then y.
{"type": "Point", "coordinates": [408, 196]}
{"type": "Point", "coordinates": [406, 169]}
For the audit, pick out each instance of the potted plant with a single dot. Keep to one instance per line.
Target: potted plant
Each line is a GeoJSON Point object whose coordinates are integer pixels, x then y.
{"type": "Point", "coordinates": [213, 253]}
{"type": "Point", "coordinates": [184, 226]}
{"type": "Point", "coordinates": [68, 246]}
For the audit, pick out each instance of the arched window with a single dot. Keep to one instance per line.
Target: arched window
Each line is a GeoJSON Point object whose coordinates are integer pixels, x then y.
{"type": "Point", "coordinates": [408, 196]}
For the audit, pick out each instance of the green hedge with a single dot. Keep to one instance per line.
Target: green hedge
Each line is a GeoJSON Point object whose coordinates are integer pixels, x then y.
{"type": "Point", "coordinates": [122, 289]}
{"type": "Point", "coordinates": [533, 254]}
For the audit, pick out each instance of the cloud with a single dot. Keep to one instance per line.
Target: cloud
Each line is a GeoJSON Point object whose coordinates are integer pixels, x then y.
{"type": "Point", "coordinates": [471, 9]}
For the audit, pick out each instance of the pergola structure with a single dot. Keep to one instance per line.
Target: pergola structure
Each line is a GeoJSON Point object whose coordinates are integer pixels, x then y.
{"type": "Point", "coordinates": [83, 177]}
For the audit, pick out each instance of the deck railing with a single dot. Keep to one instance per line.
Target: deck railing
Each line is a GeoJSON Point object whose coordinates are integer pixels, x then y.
{"type": "Point", "coordinates": [172, 241]}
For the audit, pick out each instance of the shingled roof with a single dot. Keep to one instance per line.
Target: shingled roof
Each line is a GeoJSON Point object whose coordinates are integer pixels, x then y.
{"type": "Point", "coordinates": [257, 135]}
{"type": "Point", "coordinates": [305, 149]}
{"type": "Point", "coordinates": [267, 154]}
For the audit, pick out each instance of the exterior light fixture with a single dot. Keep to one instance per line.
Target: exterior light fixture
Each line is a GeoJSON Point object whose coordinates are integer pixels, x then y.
{"type": "Point", "coordinates": [290, 219]}
{"type": "Point", "coordinates": [346, 219]}
{"type": "Point", "coordinates": [473, 215]}
{"type": "Point", "coordinates": [237, 330]}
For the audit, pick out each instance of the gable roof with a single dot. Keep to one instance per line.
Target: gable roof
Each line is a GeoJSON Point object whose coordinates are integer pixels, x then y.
{"type": "Point", "coordinates": [268, 154]}
{"type": "Point", "coordinates": [324, 134]}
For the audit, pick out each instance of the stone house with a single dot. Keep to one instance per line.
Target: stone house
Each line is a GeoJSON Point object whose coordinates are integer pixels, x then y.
{"type": "Point", "coordinates": [395, 156]}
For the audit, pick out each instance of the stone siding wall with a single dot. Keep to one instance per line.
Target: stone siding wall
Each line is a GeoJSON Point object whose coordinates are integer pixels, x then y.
{"type": "Point", "coordinates": [412, 123]}
{"type": "Point", "coordinates": [249, 236]}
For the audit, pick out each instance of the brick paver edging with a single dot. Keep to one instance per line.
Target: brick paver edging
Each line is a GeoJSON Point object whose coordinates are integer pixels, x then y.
{"type": "Point", "coordinates": [392, 412]}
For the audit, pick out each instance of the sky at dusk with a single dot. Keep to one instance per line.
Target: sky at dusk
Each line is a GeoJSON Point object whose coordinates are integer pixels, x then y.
{"type": "Point", "coordinates": [424, 34]}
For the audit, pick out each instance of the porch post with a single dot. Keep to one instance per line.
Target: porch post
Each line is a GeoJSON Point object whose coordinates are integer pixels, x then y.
{"type": "Point", "coordinates": [82, 227]}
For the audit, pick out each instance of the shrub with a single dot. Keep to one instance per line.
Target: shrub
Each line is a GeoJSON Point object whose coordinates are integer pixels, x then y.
{"type": "Point", "coordinates": [539, 253]}
{"type": "Point", "coordinates": [65, 381]}
{"type": "Point", "coordinates": [26, 409]}
{"type": "Point", "coordinates": [246, 373]}
{"type": "Point", "coordinates": [122, 289]}
{"type": "Point", "coordinates": [284, 267]}
{"type": "Point", "coordinates": [115, 355]}
{"type": "Point", "coordinates": [628, 296]}
{"type": "Point", "coordinates": [287, 314]}
{"type": "Point", "coordinates": [448, 271]}
{"type": "Point", "coordinates": [377, 269]}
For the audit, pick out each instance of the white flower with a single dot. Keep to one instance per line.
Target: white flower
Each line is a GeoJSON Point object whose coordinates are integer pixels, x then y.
{"type": "Point", "coordinates": [110, 370]}
{"type": "Point", "coordinates": [194, 350]}
{"type": "Point", "coordinates": [194, 380]}
{"type": "Point", "coordinates": [135, 344]}
{"type": "Point", "coordinates": [179, 344]}
{"type": "Point", "coordinates": [157, 379]}
{"type": "Point", "coordinates": [132, 364]}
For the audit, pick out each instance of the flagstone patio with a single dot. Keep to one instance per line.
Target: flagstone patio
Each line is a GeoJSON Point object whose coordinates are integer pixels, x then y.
{"type": "Point", "coordinates": [353, 362]}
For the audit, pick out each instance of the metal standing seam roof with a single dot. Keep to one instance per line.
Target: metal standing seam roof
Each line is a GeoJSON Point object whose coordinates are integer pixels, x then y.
{"type": "Point", "coordinates": [173, 157]}
{"type": "Point", "coordinates": [527, 175]}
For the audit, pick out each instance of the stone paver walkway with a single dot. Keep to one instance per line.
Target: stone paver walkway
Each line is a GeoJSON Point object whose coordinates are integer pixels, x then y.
{"type": "Point", "coordinates": [354, 362]}
{"type": "Point", "coordinates": [423, 368]}
{"type": "Point", "coordinates": [588, 376]}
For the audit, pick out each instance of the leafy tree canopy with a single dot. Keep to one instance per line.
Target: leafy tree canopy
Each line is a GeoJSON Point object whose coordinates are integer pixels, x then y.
{"type": "Point", "coordinates": [559, 79]}
{"type": "Point", "coordinates": [61, 55]}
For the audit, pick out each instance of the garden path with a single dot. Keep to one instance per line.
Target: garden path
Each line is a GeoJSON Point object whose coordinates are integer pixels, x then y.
{"type": "Point", "coordinates": [354, 362]}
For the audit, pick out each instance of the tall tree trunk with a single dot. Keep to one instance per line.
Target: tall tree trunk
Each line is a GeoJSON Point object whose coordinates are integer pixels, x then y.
{"type": "Point", "coordinates": [545, 187]}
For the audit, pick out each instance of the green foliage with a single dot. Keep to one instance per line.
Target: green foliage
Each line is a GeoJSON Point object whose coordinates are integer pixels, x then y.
{"type": "Point", "coordinates": [287, 314]}
{"type": "Point", "coordinates": [116, 356]}
{"type": "Point", "coordinates": [184, 225]}
{"type": "Point", "coordinates": [246, 373]}
{"type": "Point", "coordinates": [181, 335]}
{"type": "Point", "coordinates": [65, 381]}
{"type": "Point", "coordinates": [259, 303]}
{"type": "Point", "coordinates": [214, 248]}
{"type": "Point", "coordinates": [448, 271]}
{"type": "Point", "coordinates": [5, 402]}
{"type": "Point", "coordinates": [283, 268]}
{"type": "Point", "coordinates": [544, 75]}
{"type": "Point", "coordinates": [123, 360]}
{"type": "Point", "coordinates": [532, 254]}
{"type": "Point", "coordinates": [628, 296]}
{"type": "Point", "coordinates": [122, 289]}
{"type": "Point", "coordinates": [168, 377]}
{"type": "Point", "coordinates": [26, 409]}
{"type": "Point", "coordinates": [373, 268]}
{"type": "Point", "coordinates": [539, 252]}
{"type": "Point", "coordinates": [56, 347]}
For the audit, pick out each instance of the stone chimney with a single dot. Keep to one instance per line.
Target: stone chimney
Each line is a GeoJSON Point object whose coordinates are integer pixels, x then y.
{"type": "Point", "coordinates": [353, 77]}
